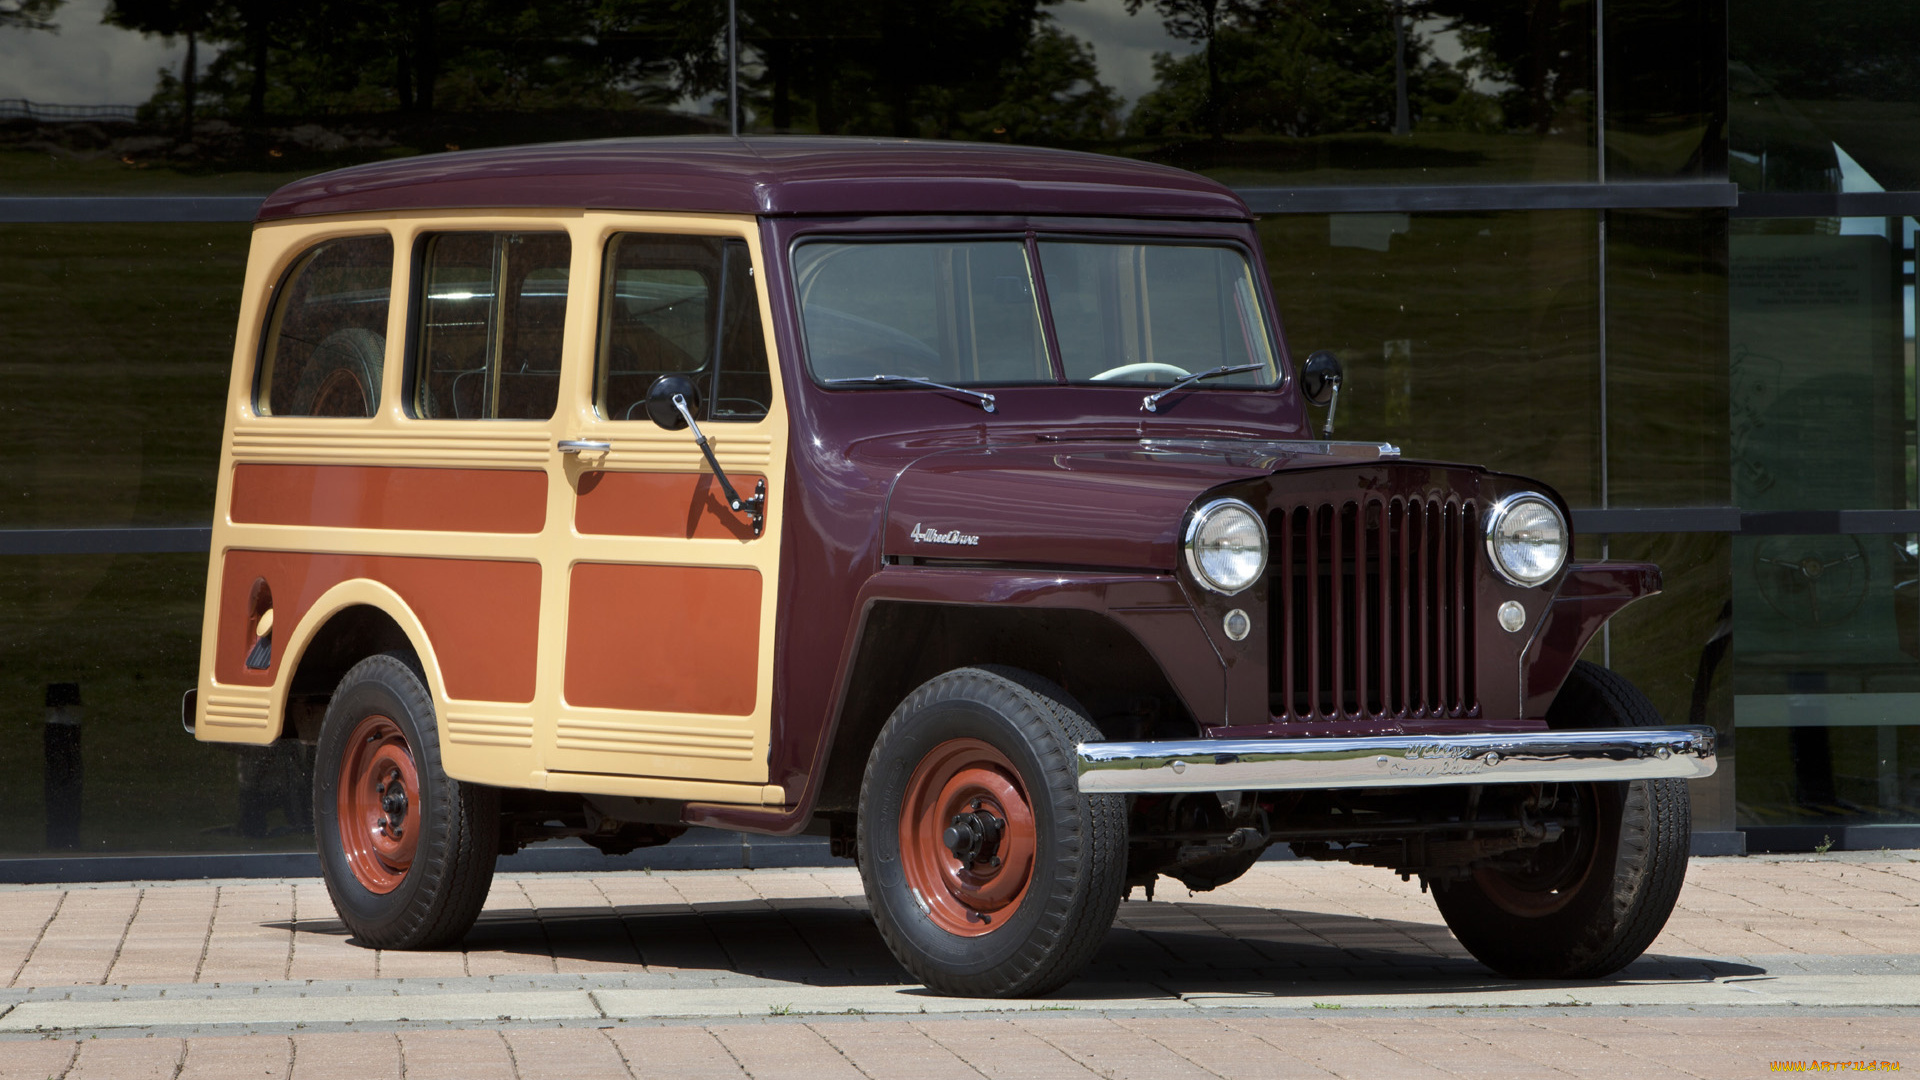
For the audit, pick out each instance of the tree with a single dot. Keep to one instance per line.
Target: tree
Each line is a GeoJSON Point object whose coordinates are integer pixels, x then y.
{"type": "Point", "coordinates": [170, 19]}
{"type": "Point", "coordinates": [28, 14]}
{"type": "Point", "coordinates": [1198, 22]}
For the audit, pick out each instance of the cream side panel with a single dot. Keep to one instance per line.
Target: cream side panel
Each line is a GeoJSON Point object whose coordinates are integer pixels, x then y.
{"type": "Point", "coordinates": [492, 742]}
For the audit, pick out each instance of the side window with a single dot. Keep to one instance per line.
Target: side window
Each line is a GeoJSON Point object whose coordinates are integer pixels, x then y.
{"type": "Point", "coordinates": [326, 340]}
{"type": "Point", "coordinates": [491, 310]}
{"type": "Point", "coordinates": [681, 305]}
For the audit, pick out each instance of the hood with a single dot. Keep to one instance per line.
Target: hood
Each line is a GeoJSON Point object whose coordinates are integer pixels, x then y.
{"type": "Point", "coordinates": [1116, 503]}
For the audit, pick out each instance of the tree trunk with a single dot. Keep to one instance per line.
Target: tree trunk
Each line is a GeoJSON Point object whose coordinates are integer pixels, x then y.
{"type": "Point", "coordinates": [189, 83]}
{"type": "Point", "coordinates": [426, 55]}
{"type": "Point", "coordinates": [257, 34]}
{"type": "Point", "coordinates": [779, 63]}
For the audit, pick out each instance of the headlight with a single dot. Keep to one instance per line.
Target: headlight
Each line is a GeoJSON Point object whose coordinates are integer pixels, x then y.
{"type": "Point", "coordinates": [1226, 545]}
{"type": "Point", "coordinates": [1526, 538]}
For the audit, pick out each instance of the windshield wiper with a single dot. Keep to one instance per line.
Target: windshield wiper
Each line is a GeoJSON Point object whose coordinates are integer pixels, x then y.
{"type": "Point", "coordinates": [985, 400]}
{"type": "Point", "coordinates": [1151, 402]}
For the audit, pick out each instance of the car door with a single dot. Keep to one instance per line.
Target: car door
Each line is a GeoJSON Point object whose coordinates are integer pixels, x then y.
{"type": "Point", "coordinates": [667, 605]}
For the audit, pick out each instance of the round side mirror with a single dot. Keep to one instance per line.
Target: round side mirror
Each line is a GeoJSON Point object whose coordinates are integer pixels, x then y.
{"type": "Point", "coordinates": [1320, 378]}
{"type": "Point", "coordinates": [660, 407]}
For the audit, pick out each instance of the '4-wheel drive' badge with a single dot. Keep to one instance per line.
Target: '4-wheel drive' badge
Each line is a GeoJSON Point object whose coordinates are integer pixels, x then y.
{"type": "Point", "coordinates": [923, 535]}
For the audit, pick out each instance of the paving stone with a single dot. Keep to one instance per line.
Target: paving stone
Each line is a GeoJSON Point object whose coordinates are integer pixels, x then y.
{"type": "Point", "coordinates": [255, 1058]}
{"type": "Point", "coordinates": [346, 1056]}
{"type": "Point", "coordinates": [455, 1055]}
{"type": "Point", "coordinates": [127, 1059]}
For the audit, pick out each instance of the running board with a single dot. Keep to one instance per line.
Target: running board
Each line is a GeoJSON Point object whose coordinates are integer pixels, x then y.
{"type": "Point", "coordinates": [1390, 761]}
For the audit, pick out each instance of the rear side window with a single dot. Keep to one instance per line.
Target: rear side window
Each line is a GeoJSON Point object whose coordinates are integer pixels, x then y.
{"type": "Point", "coordinates": [681, 305]}
{"type": "Point", "coordinates": [492, 308]}
{"type": "Point", "coordinates": [326, 341]}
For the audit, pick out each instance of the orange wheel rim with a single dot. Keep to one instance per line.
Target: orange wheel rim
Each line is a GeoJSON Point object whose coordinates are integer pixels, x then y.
{"type": "Point", "coordinates": [967, 837]}
{"type": "Point", "coordinates": [379, 804]}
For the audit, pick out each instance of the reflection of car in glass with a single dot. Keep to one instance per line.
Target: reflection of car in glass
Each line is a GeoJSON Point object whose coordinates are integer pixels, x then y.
{"type": "Point", "coordinates": [960, 502]}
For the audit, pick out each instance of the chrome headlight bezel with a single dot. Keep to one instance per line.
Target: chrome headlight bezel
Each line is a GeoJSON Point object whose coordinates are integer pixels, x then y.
{"type": "Point", "coordinates": [1200, 519]}
{"type": "Point", "coordinates": [1497, 517]}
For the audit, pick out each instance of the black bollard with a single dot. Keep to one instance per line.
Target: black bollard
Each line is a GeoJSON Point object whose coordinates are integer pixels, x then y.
{"type": "Point", "coordinates": [63, 765]}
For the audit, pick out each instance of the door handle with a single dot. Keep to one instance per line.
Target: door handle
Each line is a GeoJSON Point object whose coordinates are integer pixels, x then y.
{"type": "Point", "coordinates": [584, 446]}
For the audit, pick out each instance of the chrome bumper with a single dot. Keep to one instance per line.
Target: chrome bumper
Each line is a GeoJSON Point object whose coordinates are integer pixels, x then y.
{"type": "Point", "coordinates": [1396, 761]}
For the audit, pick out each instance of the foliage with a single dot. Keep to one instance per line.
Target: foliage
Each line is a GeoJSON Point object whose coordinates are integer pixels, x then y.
{"type": "Point", "coordinates": [28, 14]}
{"type": "Point", "coordinates": [1289, 67]}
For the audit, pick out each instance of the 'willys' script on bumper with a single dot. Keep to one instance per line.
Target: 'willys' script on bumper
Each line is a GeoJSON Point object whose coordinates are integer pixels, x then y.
{"type": "Point", "coordinates": [1397, 760]}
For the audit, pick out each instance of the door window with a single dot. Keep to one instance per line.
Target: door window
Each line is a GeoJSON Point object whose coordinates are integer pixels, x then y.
{"type": "Point", "coordinates": [681, 305]}
{"type": "Point", "coordinates": [492, 309]}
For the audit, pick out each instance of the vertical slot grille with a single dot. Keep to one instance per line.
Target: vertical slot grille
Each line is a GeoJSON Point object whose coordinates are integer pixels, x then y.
{"type": "Point", "coordinates": [1373, 609]}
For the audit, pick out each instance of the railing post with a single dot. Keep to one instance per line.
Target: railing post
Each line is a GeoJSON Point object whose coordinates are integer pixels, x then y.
{"type": "Point", "coordinates": [63, 778]}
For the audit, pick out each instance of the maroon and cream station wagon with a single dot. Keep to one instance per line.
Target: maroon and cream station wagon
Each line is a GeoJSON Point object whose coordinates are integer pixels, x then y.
{"type": "Point", "coordinates": [961, 502]}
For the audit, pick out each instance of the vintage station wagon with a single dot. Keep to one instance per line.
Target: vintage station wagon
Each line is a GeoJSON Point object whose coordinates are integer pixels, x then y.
{"type": "Point", "coordinates": [961, 502]}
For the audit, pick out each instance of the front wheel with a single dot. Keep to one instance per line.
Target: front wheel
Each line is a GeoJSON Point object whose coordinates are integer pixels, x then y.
{"type": "Point", "coordinates": [407, 852]}
{"type": "Point", "coordinates": [1591, 902]}
{"type": "Point", "coordinates": [988, 872]}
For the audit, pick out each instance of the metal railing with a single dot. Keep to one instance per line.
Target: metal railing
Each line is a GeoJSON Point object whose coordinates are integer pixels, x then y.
{"type": "Point", "coordinates": [41, 112]}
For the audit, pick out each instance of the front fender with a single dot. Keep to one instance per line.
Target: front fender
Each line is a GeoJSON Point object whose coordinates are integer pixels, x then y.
{"type": "Point", "coordinates": [1589, 595]}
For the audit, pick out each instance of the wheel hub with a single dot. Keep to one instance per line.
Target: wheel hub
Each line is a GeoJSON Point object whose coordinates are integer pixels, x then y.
{"type": "Point", "coordinates": [974, 837]}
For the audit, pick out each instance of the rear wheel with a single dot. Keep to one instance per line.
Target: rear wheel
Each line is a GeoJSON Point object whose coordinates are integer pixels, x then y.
{"type": "Point", "coordinates": [988, 872]}
{"type": "Point", "coordinates": [1591, 902]}
{"type": "Point", "coordinates": [407, 852]}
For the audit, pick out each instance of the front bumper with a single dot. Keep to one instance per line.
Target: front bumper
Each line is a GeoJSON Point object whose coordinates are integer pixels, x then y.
{"type": "Point", "coordinates": [1392, 761]}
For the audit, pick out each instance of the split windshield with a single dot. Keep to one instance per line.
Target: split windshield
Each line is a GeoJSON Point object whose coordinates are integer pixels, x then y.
{"type": "Point", "coordinates": [967, 312]}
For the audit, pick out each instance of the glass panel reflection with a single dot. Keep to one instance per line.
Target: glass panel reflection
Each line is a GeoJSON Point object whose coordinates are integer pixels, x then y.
{"type": "Point", "coordinates": [1827, 609]}
{"type": "Point", "coordinates": [117, 343]}
{"type": "Point", "coordinates": [122, 634]}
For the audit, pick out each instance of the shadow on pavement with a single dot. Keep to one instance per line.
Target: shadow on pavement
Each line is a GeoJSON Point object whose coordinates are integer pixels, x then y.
{"type": "Point", "coordinates": [1164, 947]}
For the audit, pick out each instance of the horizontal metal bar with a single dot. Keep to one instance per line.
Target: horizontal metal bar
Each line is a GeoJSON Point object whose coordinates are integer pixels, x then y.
{"type": "Point", "coordinates": [128, 209]}
{"type": "Point", "coordinates": [1828, 522]}
{"type": "Point", "coordinates": [1792, 204]}
{"type": "Point", "coordinates": [1392, 761]}
{"type": "Point", "coordinates": [1658, 519]}
{"type": "Point", "coordinates": [166, 540]}
{"type": "Point", "coordinates": [1614, 520]}
{"type": "Point", "coordinates": [1665, 195]}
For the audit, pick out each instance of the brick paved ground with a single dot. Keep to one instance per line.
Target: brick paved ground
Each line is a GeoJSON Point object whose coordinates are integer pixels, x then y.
{"type": "Point", "coordinates": [730, 974]}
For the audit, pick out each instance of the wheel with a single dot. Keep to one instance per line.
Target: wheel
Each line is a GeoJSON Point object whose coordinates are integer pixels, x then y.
{"type": "Point", "coordinates": [988, 872]}
{"type": "Point", "coordinates": [1591, 902]}
{"type": "Point", "coordinates": [407, 852]}
{"type": "Point", "coordinates": [342, 377]}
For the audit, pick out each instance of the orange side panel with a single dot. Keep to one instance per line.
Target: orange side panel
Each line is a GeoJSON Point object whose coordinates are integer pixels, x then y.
{"type": "Point", "coordinates": [482, 616]}
{"type": "Point", "coordinates": [663, 638]}
{"type": "Point", "coordinates": [682, 505]}
{"type": "Point", "coordinates": [383, 497]}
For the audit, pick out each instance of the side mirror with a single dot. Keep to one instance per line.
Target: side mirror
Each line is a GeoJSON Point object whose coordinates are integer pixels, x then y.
{"type": "Point", "coordinates": [1319, 380]}
{"type": "Point", "coordinates": [660, 407]}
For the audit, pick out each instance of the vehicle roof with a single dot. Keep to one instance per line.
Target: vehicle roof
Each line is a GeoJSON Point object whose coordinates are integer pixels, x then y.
{"type": "Point", "coordinates": [783, 175]}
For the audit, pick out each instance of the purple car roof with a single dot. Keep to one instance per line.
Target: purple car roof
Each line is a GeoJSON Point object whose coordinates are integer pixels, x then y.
{"type": "Point", "coordinates": [767, 175]}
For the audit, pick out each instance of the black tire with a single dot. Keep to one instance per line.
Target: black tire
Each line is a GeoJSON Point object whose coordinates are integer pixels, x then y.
{"type": "Point", "coordinates": [342, 377]}
{"type": "Point", "coordinates": [1078, 843]}
{"type": "Point", "coordinates": [435, 898]}
{"type": "Point", "coordinates": [1619, 874]}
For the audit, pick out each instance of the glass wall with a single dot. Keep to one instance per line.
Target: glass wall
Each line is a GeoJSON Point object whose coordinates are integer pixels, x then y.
{"type": "Point", "coordinates": [1827, 636]}
{"type": "Point", "coordinates": [1643, 358]}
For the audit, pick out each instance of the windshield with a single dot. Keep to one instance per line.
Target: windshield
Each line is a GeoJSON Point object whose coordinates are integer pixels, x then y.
{"type": "Point", "coordinates": [964, 312]}
{"type": "Point", "coordinates": [951, 311]}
